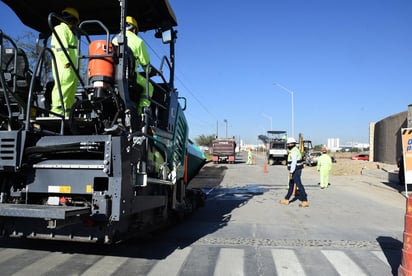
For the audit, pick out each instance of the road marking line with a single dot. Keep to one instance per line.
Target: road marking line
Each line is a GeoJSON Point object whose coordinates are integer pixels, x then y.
{"type": "Point", "coordinates": [342, 263]}
{"type": "Point", "coordinates": [44, 264]}
{"type": "Point", "coordinates": [105, 266]}
{"type": "Point", "coordinates": [229, 262]}
{"type": "Point", "coordinates": [286, 262]}
{"type": "Point", "coordinates": [381, 256]}
{"type": "Point", "coordinates": [172, 264]}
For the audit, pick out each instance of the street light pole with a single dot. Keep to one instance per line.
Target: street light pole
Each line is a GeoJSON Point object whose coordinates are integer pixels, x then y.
{"type": "Point", "coordinates": [226, 127]}
{"type": "Point", "coordinates": [291, 93]}
{"type": "Point", "coordinates": [270, 118]}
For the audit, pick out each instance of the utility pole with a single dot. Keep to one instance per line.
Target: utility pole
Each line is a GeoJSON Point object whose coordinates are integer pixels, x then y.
{"type": "Point", "coordinates": [270, 118]}
{"type": "Point", "coordinates": [291, 93]}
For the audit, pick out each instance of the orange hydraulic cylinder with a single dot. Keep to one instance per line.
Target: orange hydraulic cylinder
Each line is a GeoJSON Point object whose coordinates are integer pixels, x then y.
{"type": "Point", "coordinates": [101, 67]}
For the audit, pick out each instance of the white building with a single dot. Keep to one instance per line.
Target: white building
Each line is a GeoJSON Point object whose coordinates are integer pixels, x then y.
{"type": "Point", "coordinates": [333, 144]}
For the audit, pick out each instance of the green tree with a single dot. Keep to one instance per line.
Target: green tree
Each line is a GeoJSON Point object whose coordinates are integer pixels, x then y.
{"type": "Point", "coordinates": [318, 147]}
{"type": "Point", "coordinates": [32, 46]}
{"type": "Point", "coordinates": [30, 43]}
{"type": "Point", "coordinates": [204, 140]}
{"type": "Point", "coordinates": [27, 42]}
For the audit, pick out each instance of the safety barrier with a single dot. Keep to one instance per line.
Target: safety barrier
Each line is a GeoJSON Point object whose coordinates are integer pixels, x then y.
{"type": "Point", "coordinates": [405, 269]}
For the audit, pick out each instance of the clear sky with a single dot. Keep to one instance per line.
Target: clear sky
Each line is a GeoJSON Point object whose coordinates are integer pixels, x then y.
{"type": "Point", "coordinates": [347, 62]}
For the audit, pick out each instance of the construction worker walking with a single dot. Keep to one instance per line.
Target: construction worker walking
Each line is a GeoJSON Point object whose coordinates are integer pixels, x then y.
{"type": "Point", "coordinates": [324, 167]}
{"type": "Point", "coordinates": [138, 48]}
{"type": "Point", "coordinates": [249, 157]}
{"type": "Point", "coordinates": [64, 47]}
{"type": "Point", "coordinates": [295, 166]}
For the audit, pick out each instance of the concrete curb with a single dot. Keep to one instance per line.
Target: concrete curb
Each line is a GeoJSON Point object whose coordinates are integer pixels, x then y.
{"type": "Point", "coordinates": [388, 179]}
{"type": "Point", "coordinates": [382, 174]}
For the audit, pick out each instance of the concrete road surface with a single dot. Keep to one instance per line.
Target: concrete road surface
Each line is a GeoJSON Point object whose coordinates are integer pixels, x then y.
{"type": "Point", "coordinates": [355, 213]}
{"type": "Point", "coordinates": [355, 227]}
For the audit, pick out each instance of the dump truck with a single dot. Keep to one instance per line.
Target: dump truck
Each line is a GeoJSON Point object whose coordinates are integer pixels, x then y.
{"type": "Point", "coordinates": [223, 150]}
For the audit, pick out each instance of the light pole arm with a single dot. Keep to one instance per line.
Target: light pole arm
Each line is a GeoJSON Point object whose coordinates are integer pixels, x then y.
{"type": "Point", "coordinates": [270, 118]}
{"type": "Point", "coordinates": [293, 104]}
{"type": "Point", "coordinates": [284, 88]}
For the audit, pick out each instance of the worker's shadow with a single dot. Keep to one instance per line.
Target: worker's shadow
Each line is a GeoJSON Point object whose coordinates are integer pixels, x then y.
{"type": "Point", "coordinates": [392, 248]}
{"type": "Point", "coordinates": [296, 196]}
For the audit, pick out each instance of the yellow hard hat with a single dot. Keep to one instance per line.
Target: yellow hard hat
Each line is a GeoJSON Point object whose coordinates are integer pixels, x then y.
{"type": "Point", "coordinates": [73, 12]}
{"type": "Point", "coordinates": [130, 20]}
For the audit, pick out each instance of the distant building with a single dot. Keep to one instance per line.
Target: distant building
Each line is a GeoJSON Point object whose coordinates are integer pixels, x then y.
{"type": "Point", "coordinates": [360, 145]}
{"type": "Point", "coordinates": [333, 144]}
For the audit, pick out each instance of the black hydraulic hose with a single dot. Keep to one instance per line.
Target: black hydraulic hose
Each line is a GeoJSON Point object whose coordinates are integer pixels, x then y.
{"type": "Point", "coordinates": [58, 149]}
{"type": "Point", "coordinates": [51, 149]}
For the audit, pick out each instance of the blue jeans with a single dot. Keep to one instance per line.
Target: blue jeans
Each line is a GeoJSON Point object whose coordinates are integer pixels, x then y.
{"type": "Point", "coordinates": [296, 179]}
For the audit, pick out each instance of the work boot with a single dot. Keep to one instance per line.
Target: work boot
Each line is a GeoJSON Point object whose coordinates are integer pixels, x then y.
{"type": "Point", "coordinates": [304, 204]}
{"type": "Point", "coordinates": [284, 201]}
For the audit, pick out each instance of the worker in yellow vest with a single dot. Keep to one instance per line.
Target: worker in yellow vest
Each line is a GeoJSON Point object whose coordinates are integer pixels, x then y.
{"type": "Point", "coordinates": [142, 58]}
{"type": "Point", "coordinates": [65, 73]}
{"type": "Point", "coordinates": [249, 157]}
{"type": "Point", "coordinates": [324, 166]}
{"type": "Point", "coordinates": [295, 166]}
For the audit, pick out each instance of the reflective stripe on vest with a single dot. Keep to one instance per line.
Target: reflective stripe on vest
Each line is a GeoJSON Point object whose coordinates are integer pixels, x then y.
{"type": "Point", "coordinates": [299, 162]}
{"type": "Point", "coordinates": [68, 48]}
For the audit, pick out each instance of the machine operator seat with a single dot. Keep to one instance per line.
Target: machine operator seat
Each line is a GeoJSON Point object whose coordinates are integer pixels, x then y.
{"type": "Point", "coordinates": [134, 88]}
{"type": "Point", "coordinates": [16, 72]}
{"type": "Point", "coordinates": [15, 77]}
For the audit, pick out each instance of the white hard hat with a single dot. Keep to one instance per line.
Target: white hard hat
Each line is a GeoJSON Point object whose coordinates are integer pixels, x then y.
{"type": "Point", "coordinates": [291, 140]}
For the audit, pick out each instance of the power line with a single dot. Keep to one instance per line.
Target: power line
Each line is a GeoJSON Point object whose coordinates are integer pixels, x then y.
{"type": "Point", "coordinates": [182, 83]}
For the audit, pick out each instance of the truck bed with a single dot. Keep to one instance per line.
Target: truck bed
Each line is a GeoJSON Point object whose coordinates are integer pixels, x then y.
{"type": "Point", "coordinates": [224, 150]}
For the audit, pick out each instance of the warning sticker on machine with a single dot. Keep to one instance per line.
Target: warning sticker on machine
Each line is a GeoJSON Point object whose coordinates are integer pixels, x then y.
{"type": "Point", "coordinates": [60, 189]}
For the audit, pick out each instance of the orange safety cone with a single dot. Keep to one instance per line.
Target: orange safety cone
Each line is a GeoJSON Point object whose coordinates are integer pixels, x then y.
{"type": "Point", "coordinates": [405, 269]}
{"type": "Point", "coordinates": [265, 168]}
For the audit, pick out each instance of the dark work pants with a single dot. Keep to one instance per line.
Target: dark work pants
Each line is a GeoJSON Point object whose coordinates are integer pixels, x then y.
{"type": "Point", "coordinates": [296, 179]}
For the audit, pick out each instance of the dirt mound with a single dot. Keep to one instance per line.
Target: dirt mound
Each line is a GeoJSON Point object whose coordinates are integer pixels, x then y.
{"type": "Point", "coordinates": [352, 167]}
{"type": "Point", "coordinates": [345, 166]}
